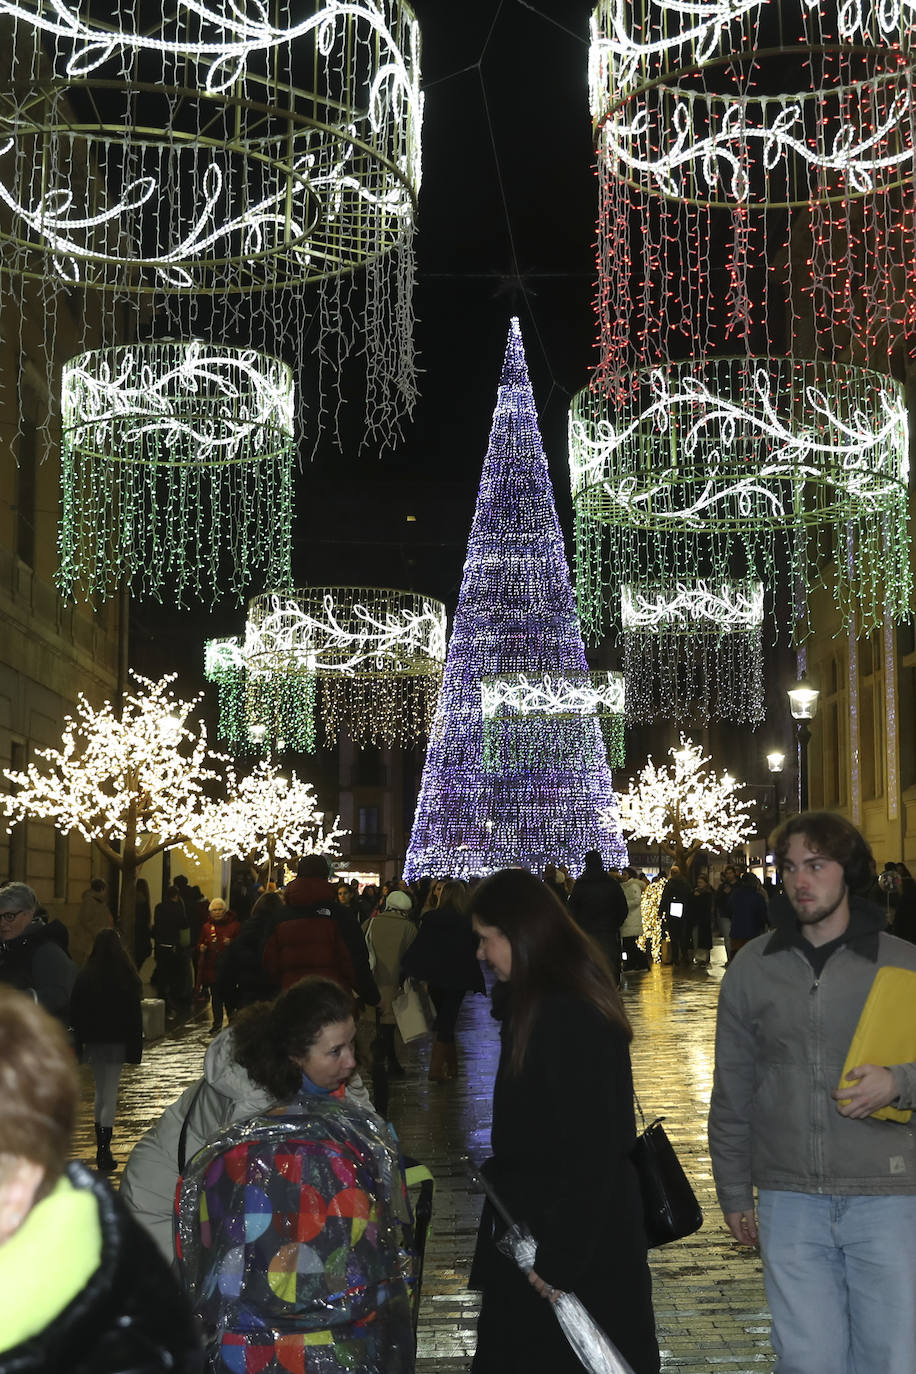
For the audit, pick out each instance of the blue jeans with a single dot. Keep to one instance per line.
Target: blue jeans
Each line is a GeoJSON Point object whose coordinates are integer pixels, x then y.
{"type": "Point", "coordinates": [840, 1276]}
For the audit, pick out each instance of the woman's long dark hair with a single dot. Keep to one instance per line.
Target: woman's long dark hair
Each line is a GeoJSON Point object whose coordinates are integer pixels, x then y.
{"type": "Point", "coordinates": [109, 964]}
{"type": "Point", "coordinates": [266, 1034]}
{"type": "Point", "coordinates": [549, 952]}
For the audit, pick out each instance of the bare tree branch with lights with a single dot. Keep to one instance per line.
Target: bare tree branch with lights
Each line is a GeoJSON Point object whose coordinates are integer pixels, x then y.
{"type": "Point", "coordinates": [686, 807]}
{"type": "Point", "coordinates": [270, 818]}
{"type": "Point", "coordinates": [133, 786]}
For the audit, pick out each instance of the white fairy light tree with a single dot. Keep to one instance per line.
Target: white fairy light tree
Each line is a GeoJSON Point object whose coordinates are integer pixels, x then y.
{"type": "Point", "coordinates": [269, 818]}
{"type": "Point", "coordinates": [132, 785]}
{"type": "Point", "coordinates": [686, 807]}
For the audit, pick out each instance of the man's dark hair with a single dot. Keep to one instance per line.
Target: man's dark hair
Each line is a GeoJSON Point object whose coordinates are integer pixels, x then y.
{"type": "Point", "coordinates": [98, 885]}
{"type": "Point", "coordinates": [313, 866]}
{"type": "Point", "coordinates": [833, 836]}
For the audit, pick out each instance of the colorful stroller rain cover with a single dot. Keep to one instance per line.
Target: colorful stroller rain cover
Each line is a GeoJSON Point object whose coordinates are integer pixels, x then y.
{"type": "Point", "coordinates": [293, 1232]}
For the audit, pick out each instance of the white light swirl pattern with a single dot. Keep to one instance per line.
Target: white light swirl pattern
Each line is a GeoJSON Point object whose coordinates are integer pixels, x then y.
{"type": "Point", "coordinates": [632, 40]}
{"type": "Point", "coordinates": [552, 694]}
{"type": "Point", "coordinates": [684, 163]}
{"type": "Point", "coordinates": [237, 179]}
{"type": "Point", "coordinates": [748, 438]}
{"type": "Point", "coordinates": [222, 656]}
{"type": "Point", "coordinates": [174, 403]}
{"type": "Point", "coordinates": [725, 608]}
{"type": "Point", "coordinates": [345, 630]}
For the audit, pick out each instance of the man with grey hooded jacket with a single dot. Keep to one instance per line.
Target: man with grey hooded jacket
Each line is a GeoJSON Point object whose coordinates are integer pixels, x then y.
{"type": "Point", "coordinates": [836, 1187]}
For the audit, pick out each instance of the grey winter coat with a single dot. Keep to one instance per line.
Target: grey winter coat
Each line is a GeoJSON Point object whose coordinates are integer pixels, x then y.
{"type": "Point", "coordinates": [226, 1094]}
{"type": "Point", "coordinates": [782, 1037]}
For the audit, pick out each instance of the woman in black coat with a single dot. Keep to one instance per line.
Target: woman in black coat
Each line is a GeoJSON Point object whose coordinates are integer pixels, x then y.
{"type": "Point", "coordinates": [107, 1021]}
{"type": "Point", "coordinates": [443, 956]}
{"type": "Point", "coordinates": [563, 1130]}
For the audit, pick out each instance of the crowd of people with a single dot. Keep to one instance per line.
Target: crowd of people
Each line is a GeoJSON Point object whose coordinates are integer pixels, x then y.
{"type": "Point", "coordinates": [267, 1209]}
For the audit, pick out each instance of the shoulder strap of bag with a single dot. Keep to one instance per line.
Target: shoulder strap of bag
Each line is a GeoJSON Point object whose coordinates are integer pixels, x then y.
{"type": "Point", "coordinates": [183, 1137]}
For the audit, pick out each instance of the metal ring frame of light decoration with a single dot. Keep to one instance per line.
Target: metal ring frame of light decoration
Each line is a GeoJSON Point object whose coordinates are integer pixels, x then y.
{"type": "Point", "coordinates": [659, 126]}
{"type": "Point", "coordinates": [724, 467]}
{"type": "Point", "coordinates": [377, 654]}
{"type": "Point", "coordinates": [524, 713]}
{"type": "Point", "coordinates": [170, 446]}
{"type": "Point", "coordinates": [693, 651]}
{"type": "Point", "coordinates": [200, 124]}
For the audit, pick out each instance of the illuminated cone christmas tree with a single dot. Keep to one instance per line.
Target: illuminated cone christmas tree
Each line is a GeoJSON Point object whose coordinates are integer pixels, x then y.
{"type": "Point", "coordinates": [543, 790]}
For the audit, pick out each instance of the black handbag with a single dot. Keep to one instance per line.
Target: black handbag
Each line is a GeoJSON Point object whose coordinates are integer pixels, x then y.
{"type": "Point", "coordinates": [670, 1206]}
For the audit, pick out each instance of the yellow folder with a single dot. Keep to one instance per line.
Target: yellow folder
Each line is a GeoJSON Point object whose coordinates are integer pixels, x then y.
{"type": "Point", "coordinates": [886, 1033]}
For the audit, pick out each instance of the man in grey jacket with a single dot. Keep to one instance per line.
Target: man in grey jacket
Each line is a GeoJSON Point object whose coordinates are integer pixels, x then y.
{"type": "Point", "coordinates": [836, 1187]}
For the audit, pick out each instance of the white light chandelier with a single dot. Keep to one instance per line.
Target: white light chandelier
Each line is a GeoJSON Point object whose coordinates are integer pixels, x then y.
{"type": "Point", "coordinates": [210, 162]}
{"type": "Point", "coordinates": [693, 652]}
{"type": "Point", "coordinates": [529, 719]}
{"type": "Point", "coordinates": [366, 660]}
{"type": "Point", "coordinates": [737, 134]}
{"type": "Point", "coordinates": [763, 465]}
{"type": "Point", "coordinates": [746, 101]}
{"type": "Point", "coordinates": [176, 470]}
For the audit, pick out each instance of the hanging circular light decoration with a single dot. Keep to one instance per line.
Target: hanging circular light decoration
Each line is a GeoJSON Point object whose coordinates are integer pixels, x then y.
{"type": "Point", "coordinates": [752, 467]}
{"type": "Point", "coordinates": [377, 655]}
{"type": "Point", "coordinates": [694, 652]}
{"type": "Point", "coordinates": [257, 715]}
{"type": "Point", "coordinates": [224, 665]}
{"type": "Point", "coordinates": [746, 100]}
{"type": "Point", "coordinates": [176, 470]}
{"type": "Point", "coordinates": [528, 718]}
{"type": "Point", "coordinates": [761, 154]}
{"type": "Point", "coordinates": [174, 153]}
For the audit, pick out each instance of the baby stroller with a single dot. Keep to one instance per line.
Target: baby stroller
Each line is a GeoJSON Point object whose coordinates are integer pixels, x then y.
{"type": "Point", "coordinates": [296, 1246]}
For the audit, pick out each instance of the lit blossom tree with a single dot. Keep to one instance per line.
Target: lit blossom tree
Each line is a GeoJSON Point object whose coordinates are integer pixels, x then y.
{"type": "Point", "coordinates": [269, 818]}
{"type": "Point", "coordinates": [686, 807]}
{"type": "Point", "coordinates": [132, 786]}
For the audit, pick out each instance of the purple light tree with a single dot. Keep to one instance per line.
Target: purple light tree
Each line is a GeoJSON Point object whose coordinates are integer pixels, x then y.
{"type": "Point", "coordinates": [542, 790]}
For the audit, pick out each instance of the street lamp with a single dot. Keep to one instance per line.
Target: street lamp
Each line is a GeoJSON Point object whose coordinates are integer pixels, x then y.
{"type": "Point", "coordinates": [803, 699]}
{"type": "Point", "coordinates": [775, 763]}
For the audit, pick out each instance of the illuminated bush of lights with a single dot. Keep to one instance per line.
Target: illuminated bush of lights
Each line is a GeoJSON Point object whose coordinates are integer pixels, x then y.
{"type": "Point", "coordinates": [516, 614]}
{"type": "Point", "coordinates": [207, 166]}
{"type": "Point", "coordinates": [763, 466]}
{"type": "Point", "coordinates": [176, 470]}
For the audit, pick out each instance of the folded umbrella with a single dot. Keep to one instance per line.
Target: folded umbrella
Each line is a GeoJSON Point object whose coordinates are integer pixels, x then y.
{"type": "Point", "coordinates": [596, 1351]}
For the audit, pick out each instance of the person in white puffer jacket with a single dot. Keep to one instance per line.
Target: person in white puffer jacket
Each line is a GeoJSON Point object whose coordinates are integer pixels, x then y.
{"type": "Point", "coordinates": [224, 1095]}
{"type": "Point", "coordinates": [635, 960]}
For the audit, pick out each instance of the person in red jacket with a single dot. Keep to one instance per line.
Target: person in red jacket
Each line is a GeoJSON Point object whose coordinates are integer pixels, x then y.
{"type": "Point", "coordinates": [215, 934]}
{"type": "Point", "coordinates": [316, 935]}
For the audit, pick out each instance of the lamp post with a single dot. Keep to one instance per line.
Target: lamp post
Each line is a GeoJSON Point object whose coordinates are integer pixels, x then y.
{"type": "Point", "coordinates": [775, 764]}
{"type": "Point", "coordinates": [803, 699]}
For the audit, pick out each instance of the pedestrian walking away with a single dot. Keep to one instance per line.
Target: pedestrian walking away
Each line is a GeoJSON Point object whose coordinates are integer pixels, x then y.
{"type": "Point", "coordinates": [444, 956]}
{"type": "Point", "coordinates": [107, 1022]}
{"type": "Point", "coordinates": [836, 1186]}
{"type": "Point", "coordinates": [562, 1133]}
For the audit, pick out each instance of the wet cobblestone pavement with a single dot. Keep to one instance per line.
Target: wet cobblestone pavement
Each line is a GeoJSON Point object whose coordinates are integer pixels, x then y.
{"type": "Point", "coordinates": [709, 1300]}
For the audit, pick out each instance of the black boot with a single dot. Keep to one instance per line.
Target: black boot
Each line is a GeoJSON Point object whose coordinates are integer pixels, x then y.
{"type": "Point", "coordinates": [104, 1161]}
